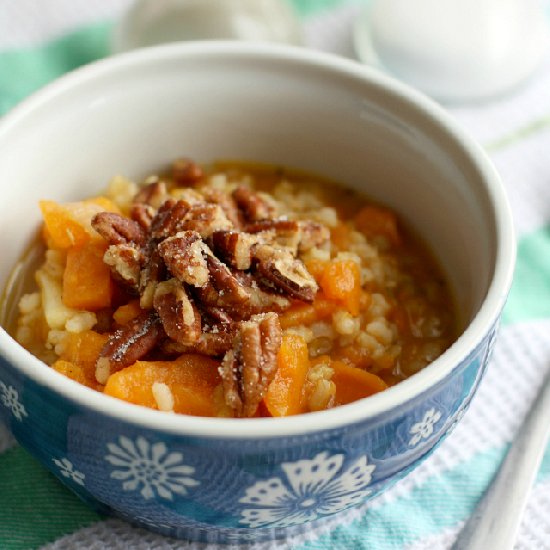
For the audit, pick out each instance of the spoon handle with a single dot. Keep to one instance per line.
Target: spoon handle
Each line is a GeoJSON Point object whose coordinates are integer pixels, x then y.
{"type": "Point", "coordinates": [497, 516]}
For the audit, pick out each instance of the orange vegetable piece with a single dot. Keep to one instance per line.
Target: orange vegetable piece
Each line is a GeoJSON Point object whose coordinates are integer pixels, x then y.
{"type": "Point", "coordinates": [339, 236]}
{"type": "Point", "coordinates": [82, 350]}
{"type": "Point", "coordinates": [353, 383]}
{"type": "Point", "coordinates": [341, 282]}
{"type": "Point", "coordinates": [124, 314]}
{"type": "Point", "coordinates": [87, 279]}
{"type": "Point", "coordinates": [191, 379]}
{"type": "Point", "coordinates": [316, 268]}
{"type": "Point", "coordinates": [68, 225]}
{"type": "Point", "coordinates": [306, 314]}
{"type": "Point", "coordinates": [72, 371]}
{"type": "Point", "coordinates": [375, 221]}
{"type": "Point", "coordinates": [284, 396]}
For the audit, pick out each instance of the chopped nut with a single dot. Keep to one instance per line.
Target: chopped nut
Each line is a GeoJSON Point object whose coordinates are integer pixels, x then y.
{"type": "Point", "coordinates": [253, 206]}
{"type": "Point", "coordinates": [152, 273]}
{"type": "Point", "coordinates": [185, 257]}
{"type": "Point", "coordinates": [125, 261]}
{"type": "Point", "coordinates": [312, 234]}
{"type": "Point", "coordinates": [153, 194]}
{"type": "Point", "coordinates": [234, 248]}
{"type": "Point", "coordinates": [250, 366]}
{"type": "Point", "coordinates": [226, 203]}
{"type": "Point", "coordinates": [215, 344]}
{"type": "Point", "coordinates": [205, 218]}
{"type": "Point", "coordinates": [143, 215]}
{"type": "Point", "coordinates": [282, 272]}
{"type": "Point", "coordinates": [180, 317]}
{"type": "Point", "coordinates": [117, 229]}
{"type": "Point", "coordinates": [169, 219]}
{"type": "Point", "coordinates": [224, 288]}
{"type": "Point", "coordinates": [186, 172]}
{"type": "Point", "coordinates": [127, 345]}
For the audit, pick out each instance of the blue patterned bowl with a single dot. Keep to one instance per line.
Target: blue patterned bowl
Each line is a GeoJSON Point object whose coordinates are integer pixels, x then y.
{"type": "Point", "coordinates": [236, 480]}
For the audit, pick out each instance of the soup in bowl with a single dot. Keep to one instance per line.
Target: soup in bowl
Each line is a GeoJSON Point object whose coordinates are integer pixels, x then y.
{"type": "Point", "coordinates": [255, 294]}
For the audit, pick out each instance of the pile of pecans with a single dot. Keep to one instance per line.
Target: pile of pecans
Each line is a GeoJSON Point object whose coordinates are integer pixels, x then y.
{"type": "Point", "coordinates": [212, 269]}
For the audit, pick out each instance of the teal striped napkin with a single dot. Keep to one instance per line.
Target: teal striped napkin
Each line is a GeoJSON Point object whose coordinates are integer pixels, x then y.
{"type": "Point", "coordinates": [423, 511]}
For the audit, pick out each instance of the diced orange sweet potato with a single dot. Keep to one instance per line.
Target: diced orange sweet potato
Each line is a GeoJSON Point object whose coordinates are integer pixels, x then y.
{"type": "Point", "coordinates": [87, 280]}
{"type": "Point", "coordinates": [192, 380]}
{"type": "Point", "coordinates": [70, 370]}
{"type": "Point", "coordinates": [82, 349]}
{"type": "Point", "coordinates": [124, 314]}
{"type": "Point", "coordinates": [353, 383]}
{"type": "Point", "coordinates": [341, 282]}
{"type": "Point", "coordinates": [285, 394]}
{"type": "Point", "coordinates": [306, 314]}
{"type": "Point", "coordinates": [316, 268]}
{"type": "Point", "coordinates": [68, 225]}
{"type": "Point", "coordinates": [340, 236]}
{"type": "Point", "coordinates": [376, 221]}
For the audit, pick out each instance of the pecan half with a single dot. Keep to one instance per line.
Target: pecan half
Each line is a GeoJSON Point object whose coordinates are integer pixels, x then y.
{"type": "Point", "coordinates": [254, 206]}
{"type": "Point", "coordinates": [312, 234]}
{"type": "Point", "coordinates": [215, 344]}
{"type": "Point", "coordinates": [248, 368]}
{"type": "Point", "coordinates": [180, 317]}
{"type": "Point", "coordinates": [261, 300]}
{"type": "Point", "coordinates": [228, 288]}
{"type": "Point", "coordinates": [143, 215]}
{"type": "Point", "coordinates": [205, 218]}
{"type": "Point", "coordinates": [280, 271]}
{"type": "Point", "coordinates": [227, 204]}
{"type": "Point", "coordinates": [153, 194]}
{"type": "Point", "coordinates": [151, 275]}
{"type": "Point", "coordinates": [169, 219]}
{"type": "Point", "coordinates": [127, 345]}
{"type": "Point", "coordinates": [185, 257]}
{"type": "Point", "coordinates": [125, 261]}
{"type": "Point", "coordinates": [234, 248]}
{"type": "Point", "coordinates": [186, 172]}
{"type": "Point", "coordinates": [117, 229]}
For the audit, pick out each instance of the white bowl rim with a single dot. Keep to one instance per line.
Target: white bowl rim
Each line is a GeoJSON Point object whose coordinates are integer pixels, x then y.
{"type": "Point", "coordinates": [264, 428]}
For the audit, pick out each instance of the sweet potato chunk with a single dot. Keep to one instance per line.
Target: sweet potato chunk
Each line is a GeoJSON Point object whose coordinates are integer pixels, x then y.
{"type": "Point", "coordinates": [376, 221]}
{"type": "Point", "coordinates": [87, 280]}
{"type": "Point", "coordinates": [69, 225]}
{"type": "Point", "coordinates": [341, 282]}
{"type": "Point", "coordinates": [353, 383]}
{"type": "Point", "coordinates": [285, 394]}
{"type": "Point", "coordinates": [190, 378]}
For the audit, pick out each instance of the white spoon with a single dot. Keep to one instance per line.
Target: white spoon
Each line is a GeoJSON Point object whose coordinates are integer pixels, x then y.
{"type": "Point", "coordinates": [497, 517]}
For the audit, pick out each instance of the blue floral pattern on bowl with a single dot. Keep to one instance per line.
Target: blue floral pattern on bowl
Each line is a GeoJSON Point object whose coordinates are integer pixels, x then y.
{"type": "Point", "coordinates": [231, 490]}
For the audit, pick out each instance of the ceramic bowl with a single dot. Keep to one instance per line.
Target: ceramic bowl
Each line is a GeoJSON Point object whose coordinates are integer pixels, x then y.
{"type": "Point", "coordinates": [231, 480]}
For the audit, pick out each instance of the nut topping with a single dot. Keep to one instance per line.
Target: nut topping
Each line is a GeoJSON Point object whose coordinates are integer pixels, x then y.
{"type": "Point", "coordinates": [125, 262]}
{"type": "Point", "coordinates": [278, 270]}
{"type": "Point", "coordinates": [127, 345]}
{"type": "Point", "coordinates": [117, 229]}
{"type": "Point", "coordinates": [185, 172]}
{"type": "Point", "coordinates": [234, 248]}
{"type": "Point", "coordinates": [184, 255]}
{"type": "Point", "coordinates": [180, 317]}
{"type": "Point", "coordinates": [153, 194]}
{"type": "Point", "coordinates": [254, 206]}
{"type": "Point", "coordinates": [250, 366]}
{"type": "Point", "coordinates": [205, 285]}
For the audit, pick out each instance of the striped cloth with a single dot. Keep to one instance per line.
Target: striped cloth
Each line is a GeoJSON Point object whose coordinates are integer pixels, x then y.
{"type": "Point", "coordinates": [41, 40]}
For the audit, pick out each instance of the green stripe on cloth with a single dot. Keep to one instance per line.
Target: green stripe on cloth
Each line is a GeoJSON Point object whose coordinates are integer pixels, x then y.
{"type": "Point", "coordinates": [34, 507]}
{"type": "Point", "coordinates": [530, 294]}
{"type": "Point", "coordinates": [24, 71]}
